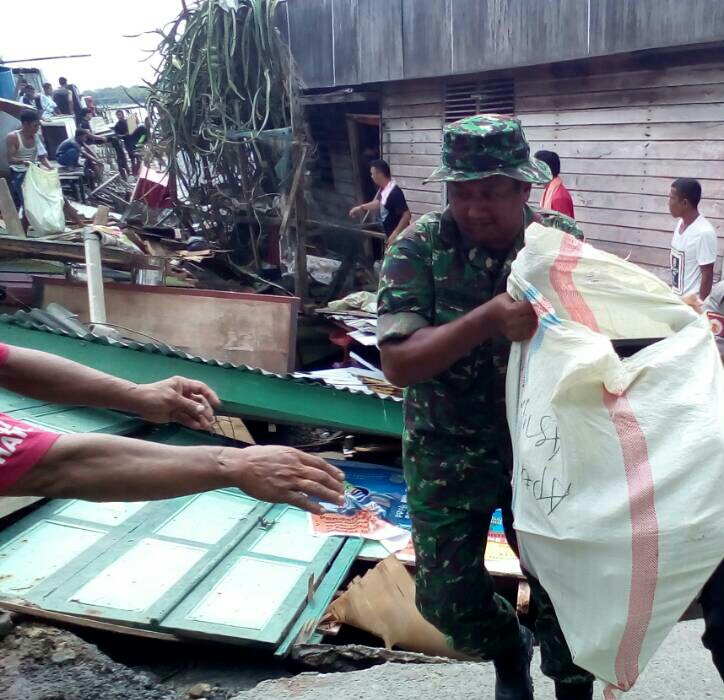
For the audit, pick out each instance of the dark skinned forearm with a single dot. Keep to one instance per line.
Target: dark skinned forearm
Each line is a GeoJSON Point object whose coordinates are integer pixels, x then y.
{"type": "Point", "coordinates": [54, 379]}
{"type": "Point", "coordinates": [707, 281]}
{"type": "Point", "coordinates": [430, 351]}
{"type": "Point", "coordinates": [112, 468]}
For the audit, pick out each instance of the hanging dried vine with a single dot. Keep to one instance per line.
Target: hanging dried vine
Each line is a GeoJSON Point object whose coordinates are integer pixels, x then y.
{"type": "Point", "coordinates": [225, 80]}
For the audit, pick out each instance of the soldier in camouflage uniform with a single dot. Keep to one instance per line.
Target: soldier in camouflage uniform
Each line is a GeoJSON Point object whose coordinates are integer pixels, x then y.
{"type": "Point", "coordinates": [444, 329]}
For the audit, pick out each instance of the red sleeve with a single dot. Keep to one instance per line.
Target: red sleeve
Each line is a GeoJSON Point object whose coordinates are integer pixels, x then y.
{"type": "Point", "coordinates": [563, 203]}
{"type": "Point", "coordinates": [4, 351]}
{"type": "Point", "coordinates": [22, 446]}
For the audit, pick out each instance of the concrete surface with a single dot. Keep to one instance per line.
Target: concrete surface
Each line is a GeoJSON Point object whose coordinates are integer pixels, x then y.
{"type": "Point", "coordinates": [681, 669]}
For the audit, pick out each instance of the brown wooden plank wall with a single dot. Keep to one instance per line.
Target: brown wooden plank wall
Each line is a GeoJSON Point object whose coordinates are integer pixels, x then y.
{"type": "Point", "coordinates": [622, 139]}
{"type": "Point", "coordinates": [412, 119]}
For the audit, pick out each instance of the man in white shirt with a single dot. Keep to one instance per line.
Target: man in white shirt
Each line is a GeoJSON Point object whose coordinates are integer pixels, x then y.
{"type": "Point", "coordinates": [693, 247]}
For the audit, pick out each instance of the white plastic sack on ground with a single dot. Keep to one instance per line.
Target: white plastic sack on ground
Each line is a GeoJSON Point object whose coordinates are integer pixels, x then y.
{"type": "Point", "coordinates": [618, 463]}
{"type": "Point", "coordinates": [43, 200]}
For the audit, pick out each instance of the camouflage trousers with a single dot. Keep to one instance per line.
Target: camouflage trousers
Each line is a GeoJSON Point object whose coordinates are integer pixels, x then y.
{"type": "Point", "coordinates": [454, 488]}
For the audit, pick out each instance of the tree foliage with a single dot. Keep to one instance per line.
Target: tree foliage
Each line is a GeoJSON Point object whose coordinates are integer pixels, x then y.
{"type": "Point", "coordinates": [120, 95]}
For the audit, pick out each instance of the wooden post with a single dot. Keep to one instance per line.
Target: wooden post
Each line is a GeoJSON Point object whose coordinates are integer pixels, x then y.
{"type": "Point", "coordinates": [296, 201]}
{"type": "Point", "coordinates": [9, 212]}
{"type": "Point", "coordinates": [300, 240]}
{"type": "Point", "coordinates": [353, 137]}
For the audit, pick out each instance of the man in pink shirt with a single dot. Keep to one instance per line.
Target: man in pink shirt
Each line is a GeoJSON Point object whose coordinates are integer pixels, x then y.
{"type": "Point", "coordinates": [97, 467]}
{"type": "Point", "coordinates": [556, 196]}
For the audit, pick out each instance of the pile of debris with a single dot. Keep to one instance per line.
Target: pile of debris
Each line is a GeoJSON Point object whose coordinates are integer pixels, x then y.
{"type": "Point", "coordinates": [215, 264]}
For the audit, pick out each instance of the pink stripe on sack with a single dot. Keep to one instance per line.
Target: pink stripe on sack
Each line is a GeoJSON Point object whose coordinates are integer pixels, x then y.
{"type": "Point", "coordinates": [645, 537]}
{"type": "Point", "coordinates": [608, 692]}
{"type": "Point", "coordinates": [561, 279]}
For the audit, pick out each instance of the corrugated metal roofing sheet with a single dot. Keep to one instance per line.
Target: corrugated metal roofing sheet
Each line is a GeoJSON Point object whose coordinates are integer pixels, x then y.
{"type": "Point", "coordinates": [245, 391]}
{"type": "Point", "coordinates": [38, 319]}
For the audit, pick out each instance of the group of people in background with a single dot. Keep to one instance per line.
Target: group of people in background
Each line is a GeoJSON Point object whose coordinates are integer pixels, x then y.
{"type": "Point", "coordinates": [25, 146]}
{"type": "Point", "coordinates": [693, 246]}
{"type": "Point", "coordinates": [65, 99]}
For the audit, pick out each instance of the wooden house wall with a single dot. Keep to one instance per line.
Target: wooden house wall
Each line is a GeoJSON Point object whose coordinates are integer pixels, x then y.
{"type": "Point", "coordinates": [622, 138]}
{"type": "Point", "coordinates": [412, 120]}
{"type": "Point", "coordinates": [354, 42]}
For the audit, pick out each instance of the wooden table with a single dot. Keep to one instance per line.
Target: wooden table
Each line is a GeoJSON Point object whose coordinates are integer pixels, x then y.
{"type": "Point", "coordinates": [74, 178]}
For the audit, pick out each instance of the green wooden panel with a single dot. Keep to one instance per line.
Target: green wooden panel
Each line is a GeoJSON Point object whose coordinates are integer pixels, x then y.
{"type": "Point", "coordinates": [311, 616]}
{"type": "Point", "coordinates": [65, 419]}
{"type": "Point", "coordinates": [244, 392]}
{"type": "Point", "coordinates": [217, 565]}
{"type": "Point", "coordinates": [146, 573]}
{"type": "Point", "coordinates": [56, 530]}
{"type": "Point", "coordinates": [10, 401]}
{"type": "Point", "coordinates": [260, 589]}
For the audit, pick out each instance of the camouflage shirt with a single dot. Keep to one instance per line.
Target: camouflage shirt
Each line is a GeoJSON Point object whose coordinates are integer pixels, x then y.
{"type": "Point", "coordinates": [431, 277]}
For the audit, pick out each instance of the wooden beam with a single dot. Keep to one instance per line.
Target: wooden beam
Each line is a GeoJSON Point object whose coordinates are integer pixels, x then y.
{"type": "Point", "coordinates": [64, 251]}
{"type": "Point", "coordinates": [339, 97]}
{"type": "Point", "coordinates": [22, 607]}
{"type": "Point", "coordinates": [13, 225]}
{"type": "Point", "coordinates": [292, 196]}
{"type": "Point", "coordinates": [353, 137]}
{"type": "Point", "coordinates": [353, 230]}
{"type": "Point", "coordinates": [317, 228]}
{"type": "Point", "coordinates": [301, 283]}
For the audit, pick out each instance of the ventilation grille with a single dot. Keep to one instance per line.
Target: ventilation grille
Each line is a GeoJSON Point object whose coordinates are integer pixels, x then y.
{"type": "Point", "coordinates": [464, 99]}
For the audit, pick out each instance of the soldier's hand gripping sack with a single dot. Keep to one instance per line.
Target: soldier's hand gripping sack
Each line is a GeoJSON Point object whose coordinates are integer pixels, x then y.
{"type": "Point", "coordinates": [618, 462]}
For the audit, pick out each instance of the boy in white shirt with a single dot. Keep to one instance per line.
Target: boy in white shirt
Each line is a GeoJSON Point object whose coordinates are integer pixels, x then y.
{"type": "Point", "coordinates": [693, 247]}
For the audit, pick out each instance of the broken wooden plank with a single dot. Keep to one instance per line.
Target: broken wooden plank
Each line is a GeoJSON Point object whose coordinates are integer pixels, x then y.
{"type": "Point", "coordinates": [64, 251]}
{"type": "Point", "coordinates": [9, 212]}
{"type": "Point", "coordinates": [105, 184]}
{"type": "Point", "coordinates": [258, 330]}
{"type": "Point", "coordinates": [101, 216]}
{"type": "Point", "coordinates": [234, 428]}
{"type": "Point", "coordinates": [25, 608]}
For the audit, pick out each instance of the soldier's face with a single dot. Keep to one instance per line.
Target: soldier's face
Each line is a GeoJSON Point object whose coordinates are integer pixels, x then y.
{"type": "Point", "coordinates": [490, 211]}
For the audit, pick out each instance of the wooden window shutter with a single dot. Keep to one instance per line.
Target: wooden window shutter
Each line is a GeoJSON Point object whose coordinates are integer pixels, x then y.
{"type": "Point", "coordinates": [478, 96]}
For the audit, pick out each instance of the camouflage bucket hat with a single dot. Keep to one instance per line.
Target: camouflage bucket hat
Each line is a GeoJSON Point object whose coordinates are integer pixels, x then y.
{"type": "Point", "coordinates": [485, 145]}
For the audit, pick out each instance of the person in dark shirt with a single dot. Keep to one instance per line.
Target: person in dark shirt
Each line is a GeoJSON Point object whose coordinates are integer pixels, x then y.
{"type": "Point", "coordinates": [83, 119]}
{"type": "Point", "coordinates": [134, 142]}
{"type": "Point", "coordinates": [31, 99]}
{"type": "Point", "coordinates": [389, 202]}
{"type": "Point", "coordinates": [69, 152]}
{"type": "Point", "coordinates": [119, 140]}
{"type": "Point", "coordinates": [63, 97]}
{"type": "Point", "coordinates": [121, 126]}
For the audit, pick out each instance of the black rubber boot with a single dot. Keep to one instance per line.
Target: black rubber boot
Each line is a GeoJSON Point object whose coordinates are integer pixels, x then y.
{"type": "Point", "coordinates": [574, 691]}
{"type": "Point", "coordinates": [512, 670]}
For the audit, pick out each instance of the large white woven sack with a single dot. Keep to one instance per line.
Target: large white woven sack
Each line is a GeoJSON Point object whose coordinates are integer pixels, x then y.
{"type": "Point", "coordinates": [618, 463]}
{"type": "Point", "coordinates": [43, 200]}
